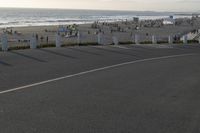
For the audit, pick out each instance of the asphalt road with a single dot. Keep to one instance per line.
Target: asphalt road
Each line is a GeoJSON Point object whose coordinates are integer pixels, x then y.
{"type": "Point", "coordinates": [101, 89]}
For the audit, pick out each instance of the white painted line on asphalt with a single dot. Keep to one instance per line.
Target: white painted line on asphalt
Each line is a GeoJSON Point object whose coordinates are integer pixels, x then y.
{"type": "Point", "coordinates": [91, 71]}
{"type": "Point", "coordinates": [118, 46]}
{"type": "Point", "coordinates": [110, 46]}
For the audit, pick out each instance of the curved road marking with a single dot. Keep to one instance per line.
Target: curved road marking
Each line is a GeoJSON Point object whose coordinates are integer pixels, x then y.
{"type": "Point", "coordinates": [91, 71]}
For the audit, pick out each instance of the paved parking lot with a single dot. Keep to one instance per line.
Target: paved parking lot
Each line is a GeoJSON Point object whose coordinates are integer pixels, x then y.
{"type": "Point", "coordinates": [101, 89]}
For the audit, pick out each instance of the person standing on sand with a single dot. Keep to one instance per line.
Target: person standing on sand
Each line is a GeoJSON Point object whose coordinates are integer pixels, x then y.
{"type": "Point", "coordinates": [36, 36]}
{"type": "Point", "coordinates": [41, 38]}
{"type": "Point", "coordinates": [47, 39]}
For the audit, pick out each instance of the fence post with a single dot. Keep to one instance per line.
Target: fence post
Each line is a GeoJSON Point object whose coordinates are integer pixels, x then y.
{"type": "Point", "coordinates": [185, 41]}
{"type": "Point", "coordinates": [33, 42]}
{"type": "Point", "coordinates": [58, 40]}
{"type": "Point", "coordinates": [99, 38]}
{"type": "Point", "coordinates": [137, 39]}
{"type": "Point", "coordinates": [170, 40]}
{"type": "Point", "coordinates": [4, 41]}
{"type": "Point", "coordinates": [78, 38]}
{"type": "Point", "coordinates": [115, 40]}
{"type": "Point", "coordinates": [154, 39]}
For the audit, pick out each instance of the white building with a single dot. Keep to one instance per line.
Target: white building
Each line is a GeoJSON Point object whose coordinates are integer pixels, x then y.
{"type": "Point", "coordinates": [169, 21]}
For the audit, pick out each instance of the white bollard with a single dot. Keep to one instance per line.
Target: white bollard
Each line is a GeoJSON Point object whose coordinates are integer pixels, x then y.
{"type": "Point", "coordinates": [170, 40]}
{"type": "Point", "coordinates": [185, 41]}
{"type": "Point", "coordinates": [115, 40]}
{"type": "Point", "coordinates": [154, 39]}
{"type": "Point", "coordinates": [4, 41]}
{"type": "Point", "coordinates": [33, 42]}
{"type": "Point", "coordinates": [137, 39]}
{"type": "Point", "coordinates": [58, 40]}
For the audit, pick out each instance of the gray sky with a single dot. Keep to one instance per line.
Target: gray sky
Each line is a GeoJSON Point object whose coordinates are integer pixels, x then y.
{"type": "Point", "coordinates": [140, 5]}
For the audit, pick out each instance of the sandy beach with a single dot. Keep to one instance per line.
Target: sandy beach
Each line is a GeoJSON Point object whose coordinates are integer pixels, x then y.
{"type": "Point", "coordinates": [124, 31]}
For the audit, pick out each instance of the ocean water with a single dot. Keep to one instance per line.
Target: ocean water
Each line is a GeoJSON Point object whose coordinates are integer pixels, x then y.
{"type": "Point", "coordinates": [15, 17]}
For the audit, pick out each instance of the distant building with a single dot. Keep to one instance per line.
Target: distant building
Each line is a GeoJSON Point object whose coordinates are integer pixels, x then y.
{"type": "Point", "coordinates": [171, 17]}
{"type": "Point", "coordinates": [195, 15]}
{"type": "Point", "coordinates": [169, 21]}
{"type": "Point", "coordinates": [136, 19]}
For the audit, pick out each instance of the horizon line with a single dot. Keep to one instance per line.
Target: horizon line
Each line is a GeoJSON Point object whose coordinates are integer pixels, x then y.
{"type": "Point", "coordinates": [101, 9]}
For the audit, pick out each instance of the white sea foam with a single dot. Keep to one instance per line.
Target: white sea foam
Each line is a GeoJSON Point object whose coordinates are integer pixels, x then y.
{"type": "Point", "coordinates": [37, 17]}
